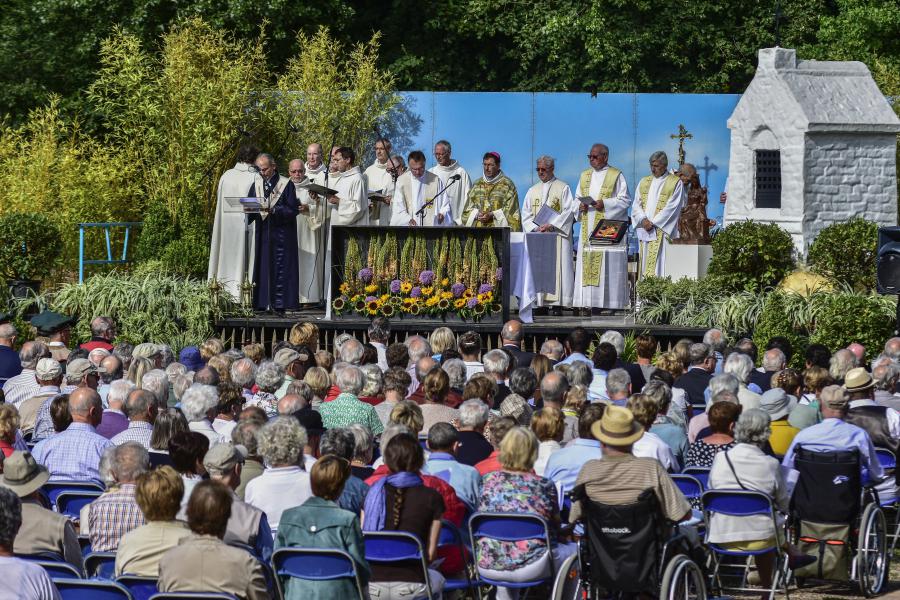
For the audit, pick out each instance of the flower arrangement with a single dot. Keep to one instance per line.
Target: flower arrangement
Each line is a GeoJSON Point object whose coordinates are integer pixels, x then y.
{"type": "Point", "coordinates": [448, 282]}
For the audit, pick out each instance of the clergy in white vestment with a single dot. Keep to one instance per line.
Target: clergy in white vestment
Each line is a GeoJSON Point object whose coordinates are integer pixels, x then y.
{"type": "Point", "coordinates": [601, 277]}
{"type": "Point", "coordinates": [556, 196]}
{"type": "Point", "coordinates": [446, 168]}
{"type": "Point", "coordinates": [416, 188]}
{"type": "Point", "coordinates": [228, 249]}
{"type": "Point", "coordinates": [655, 212]}
{"type": "Point", "coordinates": [378, 178]}
{"type": "Point", "coordinates": [309, 225]}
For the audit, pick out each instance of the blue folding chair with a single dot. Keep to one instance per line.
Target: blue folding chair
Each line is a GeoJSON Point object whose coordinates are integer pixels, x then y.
{"type": "Point", "coordinates": [53, 564]}
{"type": "Point", "coordinates": [70, 502]}
{"type": "Point", "coordinates": [701, 474]}
{"type": "Point", "coordinates": [141, 588]}
{"type": "Point", "coordinates": [450, 536]}
{"type": "Point", "coordinates": [689, 485]}
{"type": "Point", "coordinates": [101, 565]}
{"type": "Point", "coordinates": [55, 486]}
{"type": "Point", "coordinates": [507, 527]}
{"type": "Point", "coordinates": [889, 463]}
{"type": "Point", "coordinates": [743, 503]}
{"type": "Point", "coordinates": [392, 546]}
{"type": "Point", "coordinates": [314, 564]}
{"type": "Point", "coordinates": [85, 589]}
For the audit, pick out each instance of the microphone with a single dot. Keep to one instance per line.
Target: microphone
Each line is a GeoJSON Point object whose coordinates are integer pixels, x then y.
{"type": "Point", "coordinates": [456, 177]}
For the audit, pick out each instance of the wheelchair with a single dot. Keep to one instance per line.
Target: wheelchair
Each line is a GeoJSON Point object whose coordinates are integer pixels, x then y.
{"type": "Point", "coordinates": [630, 550]}
{"type": "Point", "coordinates": [838, 519]}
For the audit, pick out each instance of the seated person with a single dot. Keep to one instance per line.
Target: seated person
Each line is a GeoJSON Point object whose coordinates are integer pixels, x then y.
{"type": "Point", "coordinates": [722, 417]}
{"type": "Point", "coordinates": [22, 579]}
{"type": "Point", "coordinates": [402, 502]}
{"type": "Point", "coordinates": [746, 466]}
{"type": "Point", "coordinates": [321, 523]}
{"type": "Point", "coordinates": [443, 441]}
{"type": "Point", "coordinates": [548, 424]}
{"type": "Point", "coordinates": [158, 495]}
{"type": "Point", "coordinates": [516, 489]}
{"type": "Point", "coordinates": [203, 562]}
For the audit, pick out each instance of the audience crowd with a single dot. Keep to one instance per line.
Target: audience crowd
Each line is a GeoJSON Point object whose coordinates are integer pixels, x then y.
{"type": "Point", "coordinates": [211, 460]}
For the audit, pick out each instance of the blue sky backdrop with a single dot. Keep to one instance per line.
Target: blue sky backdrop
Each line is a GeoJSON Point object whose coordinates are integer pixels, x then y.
{"type": "Point", "coordinates": [522, 126]}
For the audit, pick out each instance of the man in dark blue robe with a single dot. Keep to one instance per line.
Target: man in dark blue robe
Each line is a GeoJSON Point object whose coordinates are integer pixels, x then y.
{"type": "Point", "coordinates": [276, 268]}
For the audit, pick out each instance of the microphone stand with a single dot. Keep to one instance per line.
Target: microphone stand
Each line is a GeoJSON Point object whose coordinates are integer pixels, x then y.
{"type": "Point", "coordinates": [326, 223]}
{"type": "Point", "coordinates": [421, 212]}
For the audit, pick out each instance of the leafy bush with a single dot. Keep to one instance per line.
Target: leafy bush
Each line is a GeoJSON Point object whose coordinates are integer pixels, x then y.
{"type": "Point", "coordinates": [842, 318]}
{"type": "Point", "coordinates": [29, 245]}
{"type": "Point", "coordinates": [775, 320]}
{"type": "Point", "coordinates": [846, 252]}
{"type": "Point", "coordinates": [750, 256]}
{"type": "Point", "coordinates": [155, 306]}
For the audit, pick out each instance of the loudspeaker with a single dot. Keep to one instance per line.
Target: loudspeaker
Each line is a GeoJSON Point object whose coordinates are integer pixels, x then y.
{"type": "Point", "coordinates": [887, 263]}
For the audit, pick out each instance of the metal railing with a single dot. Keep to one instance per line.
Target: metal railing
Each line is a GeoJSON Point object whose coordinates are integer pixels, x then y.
{"type": "Point", "coordinates": [82, 227]}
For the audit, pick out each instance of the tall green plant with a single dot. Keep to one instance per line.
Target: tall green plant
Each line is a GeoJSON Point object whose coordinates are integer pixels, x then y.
{"type": "Point", "coordinates": [846, 253]}
{"type": "Point", "coordinates": [751, 256]}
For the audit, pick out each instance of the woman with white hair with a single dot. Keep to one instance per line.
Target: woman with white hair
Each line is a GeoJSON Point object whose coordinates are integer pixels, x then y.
{"type": "Point", "coordinates": [285, 483]}
{"type": "Point", "coordinates": [269, 377]}
{"type": "Point", "coordinates": [740, 365]}
{"type": "Point", "coordinates": [747, 467]}
{"type": "Point", "coordinates": [198, 405]}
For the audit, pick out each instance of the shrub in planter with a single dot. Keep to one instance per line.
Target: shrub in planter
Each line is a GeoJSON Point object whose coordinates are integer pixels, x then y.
{"type": "Point", "coordinates": [843, 318]}
{"type": "Point", "coordinates": [30, 246]}
{"type": "Point", "coordinates": [751, 256]}
{"type": "Point", "coordinates": [774, 320]}
{"type": "Point", "coordinates": [846, 252]}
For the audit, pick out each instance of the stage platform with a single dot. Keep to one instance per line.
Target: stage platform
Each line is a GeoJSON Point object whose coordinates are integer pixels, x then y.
{"type": "Point", "coordinates": [271, 328]}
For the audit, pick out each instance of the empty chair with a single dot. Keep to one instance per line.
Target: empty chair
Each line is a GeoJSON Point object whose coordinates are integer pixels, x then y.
{"type": "Point", "coordinates": [314, 565]}
{"type": "Point", "coordinates": [82, 589]}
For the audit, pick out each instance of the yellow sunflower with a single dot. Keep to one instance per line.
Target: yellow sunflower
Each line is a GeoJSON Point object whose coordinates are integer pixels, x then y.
{"type": "Point", "coordinates": [459, 303]}
{"type": "Point", "coordinates": [432, 301]}
{"type": "Point", "coordinates": [343, 288]}
{"type": "Point", "coordinates": [445, 282]}
{"type": "Point", "coordinates": [371, 288]}
{"type": "Point", "coordinates": [426, 291]}
{"type": "Point", "coordinates": [405, 287]}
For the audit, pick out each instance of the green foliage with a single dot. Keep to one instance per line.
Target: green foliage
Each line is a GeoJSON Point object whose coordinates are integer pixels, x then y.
{"type": "Point", "coordinates": [846, 252]}
{"type": "Point", "coordinates": [844, 317]}
{"type": "Point", "coordinates": [750, 256]}
{"type": "Point", "coordinates": [151, 305]}
{"type": "Point", "coordinates": [29, 247]}
{"type": "Point", "coordinates": [776, 319]}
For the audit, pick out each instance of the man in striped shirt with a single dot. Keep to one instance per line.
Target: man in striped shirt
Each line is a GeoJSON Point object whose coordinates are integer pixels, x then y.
{"type": "Point", "coordinates": [24, 385]}
{"type": "Point", "coordinates": [140, 408]}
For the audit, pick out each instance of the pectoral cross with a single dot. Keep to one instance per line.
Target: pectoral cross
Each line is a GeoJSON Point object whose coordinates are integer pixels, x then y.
{"type": "Point", "coordinates": [706, 168]}
{"type": "Point", "coordinates": [681, 136]}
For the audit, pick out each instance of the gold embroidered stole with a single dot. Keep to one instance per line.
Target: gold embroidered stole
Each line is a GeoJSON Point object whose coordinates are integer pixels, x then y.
{"type": "Point", "coordinates": [554, 197]}
{"type": "Point", "coordinates": [272, 199]}
{"type": "Point", "coordinates": [665, 194]}
{"type": "Point", "coordinates": [592, 259]}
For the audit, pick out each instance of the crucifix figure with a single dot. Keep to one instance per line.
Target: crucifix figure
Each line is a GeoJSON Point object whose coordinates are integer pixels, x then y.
{"type": "Point", "coordinates": [706, 167]}
{"type": "Point", "coordinates": [681, 136]}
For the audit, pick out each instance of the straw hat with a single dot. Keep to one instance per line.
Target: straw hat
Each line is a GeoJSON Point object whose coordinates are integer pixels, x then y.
{"type": "Point", "coordinates": [617, 427]}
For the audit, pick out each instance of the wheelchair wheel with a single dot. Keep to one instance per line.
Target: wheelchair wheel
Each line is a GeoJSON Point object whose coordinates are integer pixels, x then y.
{"type": "Point", "coordinates": [682, 580]}
{"type": "Point", "coordinates": [567, 585]}
{"type": "Point", "coordinates": [871, 552]}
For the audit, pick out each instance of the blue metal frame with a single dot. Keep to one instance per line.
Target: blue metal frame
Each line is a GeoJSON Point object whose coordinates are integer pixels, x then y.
{"type": "Point", "coordinates": [390, 546]}
{"type": "Point", "coordinates": [109, 257]}
{"type": "Point", "coordinates": [70, 502]}
{"type": "Point", "coordinates": [86, 589]}
{"type": "Point", "coordinates": [508, 527]}
{"type": "Point", "coordinates": [142, 588]}
{"type": "Point", "coordinates": [314, 564]}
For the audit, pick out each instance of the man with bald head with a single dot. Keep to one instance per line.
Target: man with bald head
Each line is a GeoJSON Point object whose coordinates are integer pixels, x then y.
{"type": "Point", "coordinates": [10, 365]}
{"type": "Point", "coordinates": [141, 409]}
{"type": "Point", "coordinates": [309, 235]}
{"type": "Point", "coordinates": [110, 370]}
{"type": "Point", "coordinates": [511, 337]}
{"type": "Point", "coordinates": [75, 452]}
{"type": "Point", "coordinates": [601, 278]}
{"type": "Point", "coordinates": [276, 268]}
{"type": "Point", "coordinates": [23, 386]}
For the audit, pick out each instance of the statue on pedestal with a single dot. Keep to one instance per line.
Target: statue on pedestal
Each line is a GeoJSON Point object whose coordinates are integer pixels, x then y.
{"type": "Point", "coordinates": [693, 225]}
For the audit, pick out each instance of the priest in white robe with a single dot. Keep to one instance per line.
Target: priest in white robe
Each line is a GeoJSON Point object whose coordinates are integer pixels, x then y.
{"type": "Point", "coordinates": [230, 256]}
{"type": "Point", "coordinates": [655, 212]}
{"type": "Point", "coordinates": [601, 276]}
{"type": "Point", "coordinates": [555, 195]}
{"type": "Point", "coordinates": [309, 238]}
{"type": "Point", "coordinates": [378, 179]}
{"type": "Point", "coordinates": [446, 168]}
{"type": "Point", "coordinates": [415, 189]}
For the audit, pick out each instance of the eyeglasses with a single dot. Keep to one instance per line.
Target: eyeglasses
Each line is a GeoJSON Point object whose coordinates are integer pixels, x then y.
{"type": "Point", "coordinates": [541, 169]}
{"type": "Point", "coordinates": [594, 156]}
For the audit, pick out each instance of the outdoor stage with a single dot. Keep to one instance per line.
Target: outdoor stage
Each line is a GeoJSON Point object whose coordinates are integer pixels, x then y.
{"type": "Point", "coordinates": [270, 328]}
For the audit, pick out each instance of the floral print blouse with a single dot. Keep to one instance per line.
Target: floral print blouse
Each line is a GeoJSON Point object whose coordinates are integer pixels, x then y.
{"type": "Point", "coordinates": [516, 493]}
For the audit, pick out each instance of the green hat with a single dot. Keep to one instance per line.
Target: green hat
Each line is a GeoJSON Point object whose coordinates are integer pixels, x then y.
{"type": "Point", "coordinates": [50, 322]}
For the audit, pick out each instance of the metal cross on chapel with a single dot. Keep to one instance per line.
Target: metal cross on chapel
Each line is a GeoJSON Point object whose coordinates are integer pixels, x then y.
{"type": "Point", "coordinates": [681, 136]}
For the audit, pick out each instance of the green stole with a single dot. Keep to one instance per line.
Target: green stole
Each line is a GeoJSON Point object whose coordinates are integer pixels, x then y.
{"type": "Point", "coordinates": [592, 260]}
{"type": "Point", "coordinates": [665, 194]}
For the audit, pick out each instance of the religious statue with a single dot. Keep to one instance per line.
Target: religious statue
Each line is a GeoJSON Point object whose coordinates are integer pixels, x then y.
{"type": "Point", "coordinates": [693, 225]}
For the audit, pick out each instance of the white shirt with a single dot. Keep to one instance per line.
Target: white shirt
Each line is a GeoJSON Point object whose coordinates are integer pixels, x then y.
{"type": "Point", "coordinates": [223, 427]}
{"type": "Point", "coordinates": [473, 367]}
{"type": "Point", "coordinates": [23, 580]}
{"type": "Point", "coordinates": [206, 428]}
{"type": "Point", "coordinates": [545, 449]}
{"type": "Point", "coordinates": [651, 446]}
{"type": "Point", "coordinates": [277, 490]}
{"type": "Point", "coordinates": [382, 355]}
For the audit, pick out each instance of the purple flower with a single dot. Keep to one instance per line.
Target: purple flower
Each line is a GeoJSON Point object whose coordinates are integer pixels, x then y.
{"type": "Point", "coordinates": [395, 286]}
{"type": "Point", "coordinates": [457, 289]}
{"type": "Point", "coordinates": [471, 302]}
{"type": "Point", "coordinates": [426, 277]}
{"type": "Point", "coordinates": [371, 299]}
{"type": "Point", "coordinates": [485, 288]}
{"type": "Point", "coordinates": [416, 292]}
{"type": "Point", "coordinates": [499, 274]}
{"type": "Point", "coordinates": [366, 275]}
